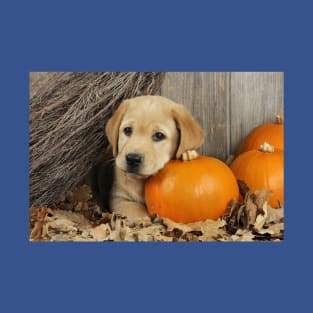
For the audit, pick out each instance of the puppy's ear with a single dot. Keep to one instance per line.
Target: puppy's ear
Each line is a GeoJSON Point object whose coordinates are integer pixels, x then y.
{"type": "Point", "coordinates": [191, 133]}
{"type": "Point", "coordinates": [113, 125]}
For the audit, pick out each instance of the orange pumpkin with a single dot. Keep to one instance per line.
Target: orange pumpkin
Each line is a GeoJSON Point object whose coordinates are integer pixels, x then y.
{"type": "Point", "coordinates": [262, 169]}
{"type": "Point", "coordinates": [189, 191]}
{"type": "Point", "coordinates": [273, 133]}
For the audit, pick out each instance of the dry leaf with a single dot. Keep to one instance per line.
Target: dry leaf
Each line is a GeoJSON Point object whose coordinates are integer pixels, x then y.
{"type": "Point", "coordinates": [253, 219]}
{"type": "Point", "coordinates": [114, 230]}
{"type": "Point", "coordinates": [275, 215]}
{"type": "Point", "coordinates": [37, 216]}
{"type": "Point", "coordinates": [261, 218]}
{"type": "Point", "coordinates": [63, 225]}
{"type": "Point", "coordinates": [254, 215]}
{"type": "Point", "coordinates": [101, 232]}
{"type": "Point", "coordinates": [261, 196]}
{"type": "Point", "coordinates": [246, 235]}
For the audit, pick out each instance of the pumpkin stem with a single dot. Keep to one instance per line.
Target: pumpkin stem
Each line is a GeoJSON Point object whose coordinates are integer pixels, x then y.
{"type": "Point", "coordinates": [279, 119]}
{"type": "Point", "coordinates": [189, 155]}
{"type": "Point", "coordinates": [266, 147]}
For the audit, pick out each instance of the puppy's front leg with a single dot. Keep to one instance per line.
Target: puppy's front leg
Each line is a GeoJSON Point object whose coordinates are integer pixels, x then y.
{"type": "Point", "coordinates": [127, 196]}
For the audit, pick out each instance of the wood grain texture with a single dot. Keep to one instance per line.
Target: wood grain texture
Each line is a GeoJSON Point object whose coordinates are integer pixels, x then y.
{"type": "Point", "coordinates": [255, 98]}
{"type": "Point", "coordinates": [204, 94]}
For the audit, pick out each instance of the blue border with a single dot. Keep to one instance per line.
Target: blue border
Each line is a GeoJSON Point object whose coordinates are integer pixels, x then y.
{"type": "Point", "coordinates": [157, 36]}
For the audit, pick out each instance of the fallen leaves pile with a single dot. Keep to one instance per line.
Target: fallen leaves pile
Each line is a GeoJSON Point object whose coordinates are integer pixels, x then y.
{"type": "Point", "coordinates": [78, 218]}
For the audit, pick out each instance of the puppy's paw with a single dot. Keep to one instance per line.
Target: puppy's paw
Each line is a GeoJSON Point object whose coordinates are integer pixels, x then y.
{"type": "Point", "coordinates": [189, 155]}
{"type": "Point", "coordinates": [133, 211]}
{"type": "Point", "coordinates": [137, 219]}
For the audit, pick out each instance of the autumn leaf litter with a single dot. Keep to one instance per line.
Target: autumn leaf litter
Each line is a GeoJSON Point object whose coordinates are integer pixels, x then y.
{"type": "Point", "coordinates": [78, 218]}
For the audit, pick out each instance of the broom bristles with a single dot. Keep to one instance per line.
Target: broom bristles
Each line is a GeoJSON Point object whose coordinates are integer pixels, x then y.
{"type": "Point", "coordinates": [68, 113]}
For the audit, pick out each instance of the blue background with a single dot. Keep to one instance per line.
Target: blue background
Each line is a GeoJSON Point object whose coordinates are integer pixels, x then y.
{"type": "Point", "coordinates": [155, 36]}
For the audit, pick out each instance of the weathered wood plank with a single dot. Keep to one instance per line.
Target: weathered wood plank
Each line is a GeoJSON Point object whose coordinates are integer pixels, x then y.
{"type": "Point", "coordinates": [204, 94]}
{"type": "Point", "coordinates": [255, 98]}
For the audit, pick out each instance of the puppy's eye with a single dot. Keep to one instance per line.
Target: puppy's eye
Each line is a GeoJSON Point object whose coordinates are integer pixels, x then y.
{"type": "Point", "coordinates": [158, 136]}
{"type": "Point", "coordinates": [128, 131]}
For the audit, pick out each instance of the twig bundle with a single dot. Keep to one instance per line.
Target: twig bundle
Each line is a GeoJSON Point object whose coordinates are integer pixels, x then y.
{"type": "Point", "coordinates": [68, 112]}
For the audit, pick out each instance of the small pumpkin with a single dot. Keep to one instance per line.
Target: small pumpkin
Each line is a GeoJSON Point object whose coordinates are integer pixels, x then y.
{"type": "Point", "coordinates": [273, 133]}
{"type": "Point", "coordinates": [189, 191]}
{"type": "Point", "coordinates": [262, 169]}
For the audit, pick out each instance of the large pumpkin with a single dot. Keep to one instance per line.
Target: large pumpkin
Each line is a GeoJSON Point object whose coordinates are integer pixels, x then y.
{"type": "Point", "coordinates": [262, 169]}
{"type": "Point", "coordinates": [273, 133]}
{"type": "Point", "coordinates": [189, 191]}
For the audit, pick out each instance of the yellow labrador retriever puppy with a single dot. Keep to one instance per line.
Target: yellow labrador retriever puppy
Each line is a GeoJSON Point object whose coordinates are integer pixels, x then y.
{"type": "Point", "coordinates": [145, 133]}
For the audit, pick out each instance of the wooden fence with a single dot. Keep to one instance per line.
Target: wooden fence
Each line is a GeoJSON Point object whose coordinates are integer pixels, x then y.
{"type": "Point", "coordinates": [227, 104]}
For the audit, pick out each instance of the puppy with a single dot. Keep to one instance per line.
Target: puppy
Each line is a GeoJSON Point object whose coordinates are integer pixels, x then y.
{"type": "Point", "coordinates": [145, 133]}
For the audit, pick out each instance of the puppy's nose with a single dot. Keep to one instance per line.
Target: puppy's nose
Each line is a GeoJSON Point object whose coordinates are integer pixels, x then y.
{"type": "Point", "coordinates": [134, 159]}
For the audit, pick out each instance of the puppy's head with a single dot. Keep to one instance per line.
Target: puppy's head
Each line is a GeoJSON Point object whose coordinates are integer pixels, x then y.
{"type": "Point", "coordinates": [148, 131]}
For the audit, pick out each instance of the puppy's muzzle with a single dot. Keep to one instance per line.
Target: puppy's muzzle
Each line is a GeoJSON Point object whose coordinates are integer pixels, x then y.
{"type": "Point", "coordinates": [133, 161]}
